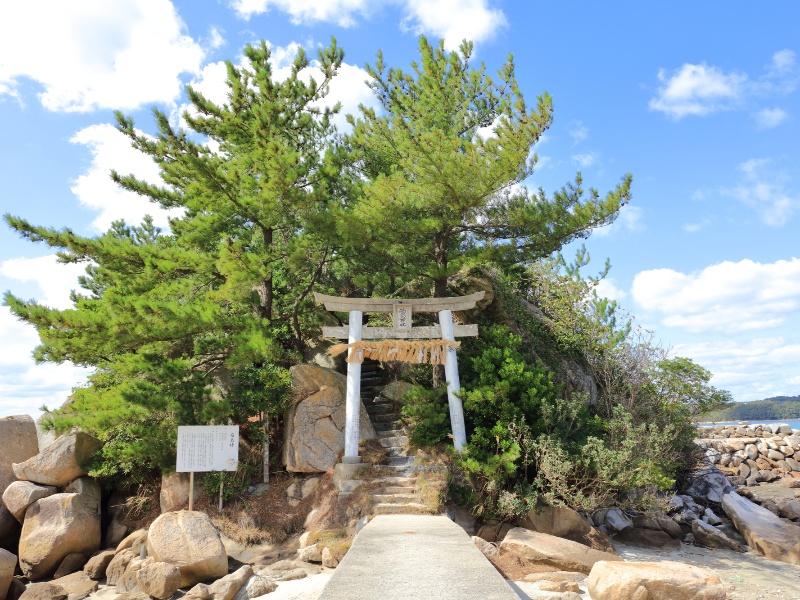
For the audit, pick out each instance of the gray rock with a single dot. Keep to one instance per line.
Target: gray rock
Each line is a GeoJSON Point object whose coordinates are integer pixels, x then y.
{"type": "Point", "coordinates": [314, 434]}
{"type": "Point", "coordinates": [19, 444]}
{"type": "Point", "coordinates": [8, 563]}
{"type": "Point", "coordinates": [563, 554]}
{"type": "Point", "coordinates": [709, 486]}
{"type": "Point", "coordinates": [764, 532]}
{"type": "Point", "coordinates": [61, 462]}
{"type": "Point", "coordinates": [19, 495]}
{"type": "Point", "coordinates": [710, 537]}
{"type": "Point", "coordinates": [55, 527]}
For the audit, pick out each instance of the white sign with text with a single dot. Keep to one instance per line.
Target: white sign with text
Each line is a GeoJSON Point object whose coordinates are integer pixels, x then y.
{"type": "Point", "coordinates": [207, 448]}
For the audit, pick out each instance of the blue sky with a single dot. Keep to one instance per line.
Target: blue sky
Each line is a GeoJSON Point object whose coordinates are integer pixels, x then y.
{"type": "Point", "coordinates": [699, 100]}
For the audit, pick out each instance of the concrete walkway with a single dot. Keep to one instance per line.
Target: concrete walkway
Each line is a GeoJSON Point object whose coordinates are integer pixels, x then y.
{"type": "Point", "coordinates": [402, 557]}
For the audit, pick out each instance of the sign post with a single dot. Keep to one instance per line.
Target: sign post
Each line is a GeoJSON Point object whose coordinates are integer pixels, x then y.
{"type": "Point", "coordinates": [204, 448]}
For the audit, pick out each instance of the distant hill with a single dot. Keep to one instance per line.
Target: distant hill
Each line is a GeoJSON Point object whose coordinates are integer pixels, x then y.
{"type": "Point", "coordinates": [769, 409]}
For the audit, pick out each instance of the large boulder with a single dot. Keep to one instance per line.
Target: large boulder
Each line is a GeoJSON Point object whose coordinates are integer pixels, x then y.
{"type": "Point", "coordinates": [95, 567]}
{"type": "Point", "coordinates": [55, 527]}
{"type": "Point", "coordinates": [61, 462]}
{"type": "Point", "coordinates": [549, 549]}
{"type": "Point", "coordinates": [189, 541]}
{"type": "Point", "coordinates": [8, 562]}
{"type": "Point", "coordinates": [21, 494]}
{"type": "Point", "coordinates": [175, 491]}
{"type": "Point", "coordinates": [222, 589]}
{"type": "Point", "coordinates": [44, 591]}
{"type": "Point", "coordinates": [664, 580]}
{"type": "Point", "coordinates": [711, 537]}
{"type": "Point", "coordinates": [764, 531]}
{"type": "Point", "coordinates": [709, 485]}
{"type": "Point", "coordinates": [314, 433]}
{"type": "Point", "coordinates": [159, 579]}
{"type": "Point", "coordinates": [19, 444]}
{"type": "Point", "coordinates": [77, 585]}
{"type": "Point", "coordinates": [641, 537]}
{"type": "Point", "coordinates": [564, 522]}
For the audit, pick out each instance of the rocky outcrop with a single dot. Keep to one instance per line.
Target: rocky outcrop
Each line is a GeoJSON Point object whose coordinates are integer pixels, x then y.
{"type": "Point", "coordinates": [564, 522]}
{"type": "Point", "coordinates": [19, 444]}
{"type": "Point", "coordinates": [44, 591]}
{"type": "Point", "coordinates": [21, 494]}
{"type": "Point", "coordinates": [61, 462]}
{"type": "Point", "coordinates": [558, 552]}
{"type": "Point", "coordinates": [55, 527]}
{"type": "Point", "coordinates": [314, 430]}
{"type": "Point", "coordinates": [255, 587]}
{"type": "Point", "coordinates": [191, 542]}
{"type": "Point", "coordinates": [664, 580]}
{"type": "Point", "coordinates": [763, 531]}
{"type": "Point", "coordinates": [76, 585]}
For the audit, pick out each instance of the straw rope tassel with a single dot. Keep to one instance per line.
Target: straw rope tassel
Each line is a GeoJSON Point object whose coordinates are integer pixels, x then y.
{"type": "Point", "coordinates": [416, 351]}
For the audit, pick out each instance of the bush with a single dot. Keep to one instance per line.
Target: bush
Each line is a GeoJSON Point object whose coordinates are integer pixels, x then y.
{"type": "Point", "coordinates": [427, 414]}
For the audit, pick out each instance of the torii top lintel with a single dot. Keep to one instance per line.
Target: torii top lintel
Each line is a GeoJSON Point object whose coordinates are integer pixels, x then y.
{"type": "Point", "coordinates": [387, 305]}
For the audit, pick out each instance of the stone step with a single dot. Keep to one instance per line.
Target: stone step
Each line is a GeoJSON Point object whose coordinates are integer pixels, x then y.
{"type": "Point", "coordinates": [396, 481]}
{"type": "Point", "coordinates": [381, 401]}
{"type": "Point", "coordinates": [386, 418]}
{"type": "Point", "coordinates": [402, 461]}
{"type": "Point", "coordinates": [379, 409]}
{"type": "Point", "coordinates": [395, 498]}
{"type": "Point", "coordinates": [396, 451]}
{"type": "Point", "coordinates": [368, 380]}
{"type": "Point", "coordinates": [390, 433]}
{"type": "Point", "coordinates": [388, 509]}
{"type": "Point", "coordinates": [394, 490]}
{"type": "Point", "coordinates": [395, 441]}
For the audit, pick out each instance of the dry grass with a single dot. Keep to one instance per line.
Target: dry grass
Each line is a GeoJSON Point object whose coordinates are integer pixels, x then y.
{"type": "Point", "coordinates": [337, 540]}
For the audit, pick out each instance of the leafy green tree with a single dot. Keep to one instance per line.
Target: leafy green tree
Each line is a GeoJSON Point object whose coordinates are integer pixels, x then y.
{"type": "Point", "coordinates": [442, 161]}
{"type": "Point", "coordinates": [683, 385]}
{"type": "Point", "coordinates": [169, 319]}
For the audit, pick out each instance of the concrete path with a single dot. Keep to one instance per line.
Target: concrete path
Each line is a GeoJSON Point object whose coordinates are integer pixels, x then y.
{"type": "Point", "coordinates": [402, 557]}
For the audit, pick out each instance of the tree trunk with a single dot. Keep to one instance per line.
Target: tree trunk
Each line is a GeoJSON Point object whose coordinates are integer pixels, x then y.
{"type": "Point", "coordinates": [266, 449]}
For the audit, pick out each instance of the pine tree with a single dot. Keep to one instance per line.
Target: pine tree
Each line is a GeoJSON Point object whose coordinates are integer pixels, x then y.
{"type": "Point", "coordinates": [443, 161]}
{"type": "Point", "coordinates": [169, 318]}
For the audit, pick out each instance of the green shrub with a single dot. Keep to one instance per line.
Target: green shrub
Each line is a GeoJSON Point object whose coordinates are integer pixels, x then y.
{"type": "Point", "coordinates": [427, 415]}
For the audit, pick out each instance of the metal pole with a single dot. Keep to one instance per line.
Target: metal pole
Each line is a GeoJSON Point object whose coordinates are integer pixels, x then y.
{"type": "Point", "coordinates": [453, 383]}
{"type": "Point", "coordinates": [353, 402]}
{"type": "Point", "coordinates": [220, 493]}
{"type": "Point", "coordinates": [191, 489]}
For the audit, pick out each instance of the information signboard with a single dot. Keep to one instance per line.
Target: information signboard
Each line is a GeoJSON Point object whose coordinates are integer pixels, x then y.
{"type": "Point", "coordinates": [207, 448]}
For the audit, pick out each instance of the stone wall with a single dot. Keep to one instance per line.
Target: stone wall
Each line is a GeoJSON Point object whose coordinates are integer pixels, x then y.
{"type": "Point", "coordinates": [750, 454]}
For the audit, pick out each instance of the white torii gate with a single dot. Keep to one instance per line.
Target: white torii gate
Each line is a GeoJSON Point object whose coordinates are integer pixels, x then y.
{"type": "Point", "coordinates": [402, 311]}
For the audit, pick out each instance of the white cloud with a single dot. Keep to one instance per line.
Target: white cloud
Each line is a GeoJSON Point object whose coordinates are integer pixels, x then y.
{"type": "Point", "coordinates": [606, 288]}
{"type": "Point", "coordinates": [112, 150]}
{"type": "Point", "coordinates": [454, 20]}
{"type": "Point", "coordinates": [695, 227]}
{"type": "Point", "coordinates": [629, 219]}
{"type": "Point", "coordinates": [577, 132]}
{"type": "Point", "coordinates": [770, 117]}
{"type": "Point", "coordinates": [727, 297]}
{"type": "Point", "coordinates": [90, 54]}
{"type": "Point", "coordinates": [585, 159]}
{"type": "Point", "coordinates": [697, 90]}
{"type": "Point", "coordinates": [24, 385]}
{"type": "Point", "coordinates": [341, 12]}
{"type": "Point", "coordinates": [701, 89]}
{"type": "Point", "coordinates": [55, 280]}
{"type": "Point", "coordinates": [762, 188]}
{"type": "Point", "coordinates": [752, 369]}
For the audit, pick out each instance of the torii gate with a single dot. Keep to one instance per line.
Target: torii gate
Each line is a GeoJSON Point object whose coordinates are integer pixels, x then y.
{"type": "Point", "coordinates": [402, 311]}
